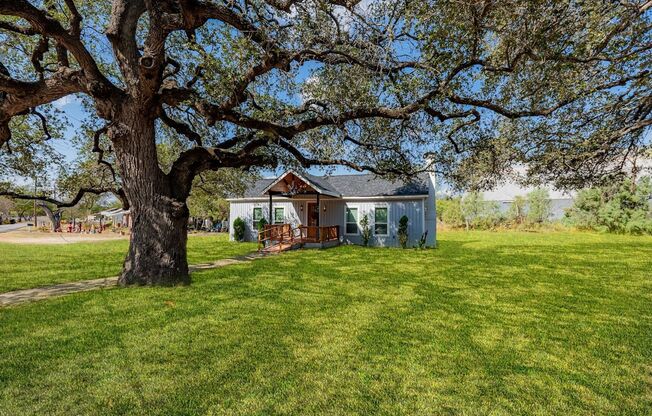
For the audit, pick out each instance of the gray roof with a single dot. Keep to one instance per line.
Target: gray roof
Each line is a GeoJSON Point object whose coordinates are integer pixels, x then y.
{"type": "Point", "coordinates": [360, 185]}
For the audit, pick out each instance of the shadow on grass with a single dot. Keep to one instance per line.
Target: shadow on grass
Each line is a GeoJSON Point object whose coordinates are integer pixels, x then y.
{"type": "Point", "coordinates": [479, 325]}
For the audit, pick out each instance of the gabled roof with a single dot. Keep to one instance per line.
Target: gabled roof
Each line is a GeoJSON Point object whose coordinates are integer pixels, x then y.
{"type": "Point", "coordinates": [313, 183]}
{"type": "Point", "coordinates": [359, 185]}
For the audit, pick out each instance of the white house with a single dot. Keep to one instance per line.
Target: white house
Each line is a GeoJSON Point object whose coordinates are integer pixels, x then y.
{"type": "Point", "coordinates": [336, 204]}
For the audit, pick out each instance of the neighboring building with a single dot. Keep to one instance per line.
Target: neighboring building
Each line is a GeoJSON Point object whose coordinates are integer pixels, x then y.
{"type": "Point", "coordinates": [341, 200]}
{"type": "Point", "coordinates": [118, 216]}
{"type": "Point", "coordinates": [505, 193]}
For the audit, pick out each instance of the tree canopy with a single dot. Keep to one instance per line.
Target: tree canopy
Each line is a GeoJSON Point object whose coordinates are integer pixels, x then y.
{"type": "Point", "coordinates": [393, 87]}
{"type": "Point", "coordinates": [370, 85]}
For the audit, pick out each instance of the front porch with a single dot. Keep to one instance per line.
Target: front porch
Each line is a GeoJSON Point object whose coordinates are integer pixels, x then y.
{"type": "Point", "coordinates": [279, 235]}
{"type": "Point", "coordinates": [282, 237]}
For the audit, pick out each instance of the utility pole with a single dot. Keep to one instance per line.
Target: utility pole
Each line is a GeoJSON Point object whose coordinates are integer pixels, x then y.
{"type": "Point", "coordinates": [35, 219]}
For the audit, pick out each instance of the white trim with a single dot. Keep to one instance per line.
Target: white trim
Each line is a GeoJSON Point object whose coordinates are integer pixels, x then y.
{"type": "Point", "coordinates": [345, 198]}
{"type": "Point", "coordinates": [357, 220]}
{"type": "Point", "coordinates": [423, 217]}
{"type": "Point", "coordinates": [253, 215]}
{"type": "Point", "coordinates": [277, 198]}
{"type": "Point", "coordinates": [386, 206]}
{"type": "Point", "coordinates": [384, 198]}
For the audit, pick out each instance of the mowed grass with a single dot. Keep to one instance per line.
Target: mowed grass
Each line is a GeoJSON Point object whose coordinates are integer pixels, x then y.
{"type": "Point", "coordinates": [25, 266]}
{"type": "Point", "coordinates": [489, 323]}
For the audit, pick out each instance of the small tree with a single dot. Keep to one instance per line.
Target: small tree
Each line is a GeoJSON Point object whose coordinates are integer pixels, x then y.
{"type": "Point", "coordinates": [517, 211]}
{"type": "Point", "coordinates": [449, 211]}
{"type": "Point", "coordinates": [472, 208]}
{"type": "Point", "coordinates": [403, 231]}
{"type": "Point", "coordinates": [239, 229]}
{"type": "Point", "coordinates": [366, 231]}
{"type": "Point", "coordinates": [539, 206]}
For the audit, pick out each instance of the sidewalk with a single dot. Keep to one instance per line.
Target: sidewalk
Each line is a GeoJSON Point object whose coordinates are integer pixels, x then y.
{"type": "Point", "coordinates": [29, 295]}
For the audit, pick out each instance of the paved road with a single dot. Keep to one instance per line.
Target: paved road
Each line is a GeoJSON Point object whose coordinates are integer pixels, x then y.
{"type": "Point", "coordinates": [11, 227]}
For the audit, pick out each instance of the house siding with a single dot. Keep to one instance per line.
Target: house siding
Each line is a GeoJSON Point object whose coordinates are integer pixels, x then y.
{"type": "Point", "coordinates": [245, 210]}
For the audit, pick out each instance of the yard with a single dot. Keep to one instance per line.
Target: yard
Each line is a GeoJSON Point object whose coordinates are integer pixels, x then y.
{"type": "Point", "coordinates": [489, 323]}
{"type": "Point", "coordinates": [25, 266]}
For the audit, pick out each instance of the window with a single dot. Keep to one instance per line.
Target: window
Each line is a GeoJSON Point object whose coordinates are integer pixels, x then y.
{"type": "Point", "coordinates": [351, 221]}
{"type": "Point", "coordinates": [279, 215]}
{"type": "Point", "coordinates": [380, 221]}
{"type": "Point", "coordinates": [258, 215]}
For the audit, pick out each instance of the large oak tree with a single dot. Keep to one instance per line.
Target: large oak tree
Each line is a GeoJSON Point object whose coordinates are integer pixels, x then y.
{"type": "Point", "coordinates": [471, 86]}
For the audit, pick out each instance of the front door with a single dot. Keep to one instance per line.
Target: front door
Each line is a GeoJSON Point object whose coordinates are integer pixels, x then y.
{"type": "Point", "coordinates": [313, 214]}
{"type": "Point", "coordinates": [313, 219]}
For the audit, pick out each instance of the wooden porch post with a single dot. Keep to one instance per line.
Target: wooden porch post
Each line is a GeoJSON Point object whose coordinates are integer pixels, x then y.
{"type": "Point", "coordinates": [318, 217]}
{"type": "Point", "coordinates": [270, 209]}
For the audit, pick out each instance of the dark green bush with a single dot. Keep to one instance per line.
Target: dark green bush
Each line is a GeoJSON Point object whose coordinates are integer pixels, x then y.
{"type": "Point", "coordinates": [366, 231]}
{"type": "Point", "coordinates": [239, 229]}
{"type": "Point", "coordinates": [622, 207]}
{"type": "Point", "coordinates": [403, 231]}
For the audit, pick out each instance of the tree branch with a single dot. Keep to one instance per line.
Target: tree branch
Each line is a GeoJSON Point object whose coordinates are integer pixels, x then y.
{"type": "Point", "coordinates": [99, 86]}
{"type": "Point", "coordinates": [180, 127]}
{"type": "Point", "coordinates": [63, 204]}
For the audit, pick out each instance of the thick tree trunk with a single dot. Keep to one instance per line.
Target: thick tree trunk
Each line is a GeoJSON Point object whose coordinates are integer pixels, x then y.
{"type": "Point", "coordinates": [157, 250]}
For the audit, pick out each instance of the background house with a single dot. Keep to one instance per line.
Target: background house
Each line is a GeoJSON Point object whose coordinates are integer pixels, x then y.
{"type": "Point", "coordinates": [341, 200]}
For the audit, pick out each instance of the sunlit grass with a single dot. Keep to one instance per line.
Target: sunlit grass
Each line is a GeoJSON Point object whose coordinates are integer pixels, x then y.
{"type": "Point", "coordinates": [489, 323]}
{"type": "Point", "coordinates": [31, 265]}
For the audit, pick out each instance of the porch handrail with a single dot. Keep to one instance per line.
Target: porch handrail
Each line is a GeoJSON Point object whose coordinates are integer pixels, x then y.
{"type": "Point", "coordinates": [285, 233]}
{"type": "Point", "coordinates": [279, 233]}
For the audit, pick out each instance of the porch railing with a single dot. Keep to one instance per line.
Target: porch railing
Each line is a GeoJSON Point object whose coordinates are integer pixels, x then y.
{"type": "Point", "coordinates": [312, 233]}
{"type": "Point", "coordinates": [279, 234]}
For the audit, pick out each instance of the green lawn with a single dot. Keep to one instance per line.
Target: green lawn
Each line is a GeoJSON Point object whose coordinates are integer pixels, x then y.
{"type": "Point", "coordinates": [489, 323]}
{"type": "Point", "coordinates": [32, 265]}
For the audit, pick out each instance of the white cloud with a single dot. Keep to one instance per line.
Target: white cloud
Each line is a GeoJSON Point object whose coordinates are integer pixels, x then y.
{"type": "Point", "coordinates": [64, 101]}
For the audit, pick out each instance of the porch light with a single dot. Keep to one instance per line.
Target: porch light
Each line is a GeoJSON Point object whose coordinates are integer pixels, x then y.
{"type": "Point", "coordinates": [301, 207]}
{"type": "Point", "coordinates": [324, 208]}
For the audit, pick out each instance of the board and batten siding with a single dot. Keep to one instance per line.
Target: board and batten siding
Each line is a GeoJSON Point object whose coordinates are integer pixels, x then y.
{"type": "Point", "coordinates": [245, 210]}
{"type": "Point", "coordinates": [333, 212]}
{"type": "Point", "coordinates": [413, 208]}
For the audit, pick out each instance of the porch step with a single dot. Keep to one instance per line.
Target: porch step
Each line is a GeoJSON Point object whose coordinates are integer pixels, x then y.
{"type": "Point", "coordinates": [277, 248]}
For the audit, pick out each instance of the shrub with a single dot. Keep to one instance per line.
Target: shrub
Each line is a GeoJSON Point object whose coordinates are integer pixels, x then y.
{"type": "Point", "coordinates": [261, 225]}
{"type": "Point", "coordinates": [403, 231]}
{"type": "Point", "coordinates": [471, 211]}
{"type": "Point", "coordinates": [490, 216]}
{"type": "Point", "coordinates": [622, 207]}
{"type": "Point", "coordinates": [584, 212]}
{"type": "Point", "coordinates": [238, 229]}
{"type": "Point", "coordinates": [449, 211]}
{"type": "Point", "coordinates": [366, 231]}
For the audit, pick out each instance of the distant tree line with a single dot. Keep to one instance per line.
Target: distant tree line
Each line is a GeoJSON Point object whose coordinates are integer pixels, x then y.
{"type": "Point", "coordinates": [624, 206]}
{"type": "Point", "coordinates": [471, 211]}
